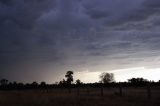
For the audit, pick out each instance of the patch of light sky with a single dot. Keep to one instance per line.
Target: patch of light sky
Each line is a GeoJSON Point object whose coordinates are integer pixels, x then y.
{"type": "Point", "coordinates": [120, 74]}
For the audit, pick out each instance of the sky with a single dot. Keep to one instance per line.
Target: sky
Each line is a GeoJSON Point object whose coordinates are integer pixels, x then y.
{"type": "Point", "coordinates": [42, 39]}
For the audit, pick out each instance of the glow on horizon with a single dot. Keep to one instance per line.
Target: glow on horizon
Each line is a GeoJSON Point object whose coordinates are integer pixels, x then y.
{"type": "Point", "coordinates": [121, 74]}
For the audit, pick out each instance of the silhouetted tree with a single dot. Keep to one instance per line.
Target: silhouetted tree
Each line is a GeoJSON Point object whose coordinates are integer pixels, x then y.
{"type": "Point", "coordinates": [43, 84]}
{"type": "Point", "coordinates": [138, 81]}
{"type": "Point", "coordinates": [107, 77]}
{"type": "Point", "coordinates": [34, 84]}
{"type": "Point", "coordinates": [20, 85]}
{"type": "Point", "coordinates": [63, 82]}
{"type": "Point", "coordinates": [78, 82]}
{"type": "Point", "coordinates": [69, 76]}
{"type": "Point", "coordinates": [3, 81]}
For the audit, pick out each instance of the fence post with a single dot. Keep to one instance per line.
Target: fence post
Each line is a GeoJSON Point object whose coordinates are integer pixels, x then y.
{"type": "Point", "coordinates": [101, 90]}
{"type": "Point", "coordinates": [149, 91]}
{"type": "Point", "coordinates": [88, 92]}
{"type": "Point", "coordinates": [120, 89]}
{"type": "Point", "coordinates": [78, 91]}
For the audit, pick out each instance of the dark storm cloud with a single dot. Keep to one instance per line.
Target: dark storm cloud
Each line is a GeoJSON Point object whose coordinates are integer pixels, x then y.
{"type": "Point", "coordinates": [57, 34]}
{"type": "Point", "coordinates": [18, 42]}
{"type": "Point", "coordinates": [113, 13]}
{"type": "Point", "coordinates": [35, 33]}
{"type": "Point", "coordinates": [119, 12]}
{"type": "Point", "coordinates": [23, 13]}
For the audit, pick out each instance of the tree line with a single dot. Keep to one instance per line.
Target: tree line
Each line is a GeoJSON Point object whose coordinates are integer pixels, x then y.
{"type": "Point", "coordinates": [106, 80]}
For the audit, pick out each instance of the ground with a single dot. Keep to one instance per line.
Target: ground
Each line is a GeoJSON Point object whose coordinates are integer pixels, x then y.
{"type": "Point", "coordinates": [86, 97]}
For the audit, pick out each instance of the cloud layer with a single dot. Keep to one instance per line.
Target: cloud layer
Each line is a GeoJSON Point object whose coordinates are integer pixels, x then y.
{"type": "Point", "coordinates": [43, 37]}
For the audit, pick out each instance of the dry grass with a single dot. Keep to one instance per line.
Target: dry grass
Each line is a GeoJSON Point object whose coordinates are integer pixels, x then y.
{"type": "Point", "coordinates": [61, 97]}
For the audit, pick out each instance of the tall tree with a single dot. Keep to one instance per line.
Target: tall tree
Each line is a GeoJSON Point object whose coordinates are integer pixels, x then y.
{"type": "Point", "coordinates": [3, 81]}
{"type": "Point", "coordinates": [107, 77]}
{"type": "Point", "coordinates": [43, 84]}
{"type": "Point", "coordinates": [69, 77]}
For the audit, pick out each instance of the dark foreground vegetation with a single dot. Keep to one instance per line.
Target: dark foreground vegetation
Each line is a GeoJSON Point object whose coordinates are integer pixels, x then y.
{"type": "Point", "coordinates": [84, 96]}
{"type": "Point", "coordinates": [106, 80]}
{"type": "Point", "coordinates": [107, 92]}
{"type": "Point", "coordinates": [96, 94]}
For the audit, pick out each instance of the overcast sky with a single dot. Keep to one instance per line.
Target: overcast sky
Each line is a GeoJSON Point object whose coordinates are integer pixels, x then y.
{"type": "Point", "coordinates": [42, 39]}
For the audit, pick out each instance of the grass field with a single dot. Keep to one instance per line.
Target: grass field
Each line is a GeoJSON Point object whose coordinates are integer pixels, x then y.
{"type": "Point", "coordinates": [86, 97]}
